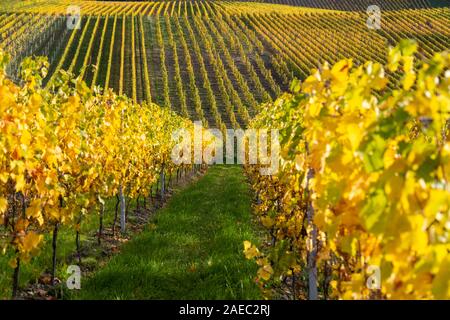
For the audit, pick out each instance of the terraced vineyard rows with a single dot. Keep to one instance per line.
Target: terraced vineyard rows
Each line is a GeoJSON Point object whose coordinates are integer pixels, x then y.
{"type": "Point", "coordinates": [354, 199]}
{"type": "Point", "coordinates": [355, 5]}
{"type": "Point", "coordinates": [210, 61]}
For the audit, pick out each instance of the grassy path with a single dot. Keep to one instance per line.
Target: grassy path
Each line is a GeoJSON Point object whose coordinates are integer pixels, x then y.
{"type": "Point", "coordinates": [195, 250]}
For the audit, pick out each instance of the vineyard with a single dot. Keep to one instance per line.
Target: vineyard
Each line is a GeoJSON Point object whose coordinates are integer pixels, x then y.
{"type": "Point", "coordinates": [363, 116]}
{"type": "Point", "coordinates": [356, 5]}
{"type": "Point", "coordinates": [220, 59]}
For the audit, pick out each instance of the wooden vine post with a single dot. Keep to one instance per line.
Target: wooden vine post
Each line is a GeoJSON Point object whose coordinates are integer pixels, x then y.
{"type": "Point", "coordinates": [311, 239]}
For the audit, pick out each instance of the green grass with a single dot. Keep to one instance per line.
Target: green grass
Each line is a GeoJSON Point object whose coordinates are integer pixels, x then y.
{"type": "Point", "coordinates": [195, 251]}
{"type": "Point", "coordinates": [66, 250]}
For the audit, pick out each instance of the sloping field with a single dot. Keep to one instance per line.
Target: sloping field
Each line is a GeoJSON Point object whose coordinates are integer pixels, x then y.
{"type": "Point", "coordinates": [360, 5]}
{"type": "Point", "coordinates": [208, 60]}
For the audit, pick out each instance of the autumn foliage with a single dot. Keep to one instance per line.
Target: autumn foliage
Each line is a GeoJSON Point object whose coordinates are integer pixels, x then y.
{"type": "Point", "coordinates": [66, 148]}
{"type": "Point", "coordinates": [370, 166]}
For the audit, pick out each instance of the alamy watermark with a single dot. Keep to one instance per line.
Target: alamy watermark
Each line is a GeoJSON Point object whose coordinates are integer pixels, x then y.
{"type": "Point", "coordinates": [74, 280]}
{"type": "Point", "coordinates": [73, 17]}
{"type": "Point", "coordinates": [374, 279]}
{"type": "Point", "coordinates": [374, 20]}
{"type": "Point", "coordinates": [209, 146]}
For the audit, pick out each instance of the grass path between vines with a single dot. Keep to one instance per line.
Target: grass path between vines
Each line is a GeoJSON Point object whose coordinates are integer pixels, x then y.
{"type": "Point", "coordinates": [191, 250]}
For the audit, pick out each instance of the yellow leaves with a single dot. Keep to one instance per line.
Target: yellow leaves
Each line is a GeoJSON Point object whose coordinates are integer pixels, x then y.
{"type": "Point", "coordinates": [322, 218]}
{"type": "Point", "coordinates": [63, 149]}
{"type": "Point", "coordinates": [265, 272]}
{"type": "Point", "coordinates": [35, 211]}
{"type": "Point", "coordinates": [57, 214]}
{"type": "Point", "coordinates": [380, 188]}
{"type": "Point", "coordinates": [441, 283]}
{"type": "Point", "coordinates": [300, 162]}
{"type": "Point", "coordinates": [31, 241]}
{"type": "Point", "coordinates": [3, 205]}
{"type": "Point", "coordinates": [445, 160]}
{"type": "Point", "coordinates": [21, 225]}
{"type": "Point", "coordinates": [334, 284]}
{"type": "Point", "coordinates": [267, 222]}
{"type": "Point", "coordinates": [314, 109]}
{"type": "Point", "coordinates": [28, 246]}
{"type": "Point", "coordinates": [36, 101]}
{"type": "Point", "coordinates": [3, 208]}
{"type": "Point", "coordinates": [312, 83]}
{"type": "Point", "coordinates": [6, 98]}
{"type": "Point", "coordinates": [16, 153]}
{"type": "Point", "coordinates": [25, 138]}
{"type": "Point", "coordinates": [375, 74]}
{"type": "Point", "coordinates": [352, 288]}
{"type": "Point", "coordinates": [402, 53]}
{"type": "Point", "coordinates": [20, 183]}
{"type": "Point", "coordinates": [408, 64]}
{"type": "Point", "coordinates": [13, 263]}
{"type": "Point", "coordinates": [250, 250]}
{"type": "Point", "coordinates": [390, 154]}
{"type": "Point", "coordinates": [418, 236]}
{"type": "Point", "coordinates": [341, 69]}
{"type": "Point", "coordinates": [408, 80]}
{"type": "Point", "coordinates": [393, 187]}
{"type": "Point", "coordinates": [4, 176]}
{"type": "Point", "coordinates": [438, 205]}
{"type": "Point", "coordinates": [73, 104]}
{"type": "Point", "coordinates": [349, 244]}
{"type": "Point", "coordinates": [394, 60]}
{"type": "Point", "coordinates": [355, 135]}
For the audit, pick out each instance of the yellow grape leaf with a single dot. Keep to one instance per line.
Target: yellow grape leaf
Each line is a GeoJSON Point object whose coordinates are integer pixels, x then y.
{"type": "Point", "coordinates": [419, 236]}
{"type": "Point", "coordinates": [20, 183]}
{"type": "Point", "coordinates": [250, 250]}
{"type": "Point", "coordinates": [54, 213]}
{"type": "Point", "coordinates": [13, 263]}
{"type": "Point", "coordinates": [408, 80]}
{"type": "Point", "coordinates": [441, 283]}
{"type": "Point", "coordinates": [390, 155]}
{"type": "Point", "coordinates": [31, 241]}
{"type": "Point", "coordinates": [394, 59]}
{"type": "Point", "coordinates": [4, 177]}
{"type": "Point", "coordinates": [340, 70]}
{"type": "Point", "coordinates": [310, 84]}
{"type": "Point", "coordinates": [408, 47]}
{"type": "Point", "coordinates": [334, 284]}
{"type": "Point", "coordinates": [25, 137]}
{"type": "Point", "coordinates": [267, 222]}
{"type": "Point", "coordinates": [35, 211]}
{"type": "Point", "coordinates": [35, 100]}
{"type": "Point", "coordinates": [355, 135]}
{"type": "Point", "coordinates": [408, 64]}
{"type": "Point", "coordinates": [3, 204]}
{"type": "Point", "coordinates": [21, 225]}
{"type": "Point", "coordinates": [265, 272]}
{"type": "Point", "coordinates": [439, 202]}
{"type": "Point", "coordinates": [299, 162]}
{"type": "Point", "coordinates": [357, 282]}
{"type": "Point", "coordinates": [393, 187]}
{"type": "Point", "coordinates": [349, 244]}
{"type": "Point", "coordinates": [314, 109]}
